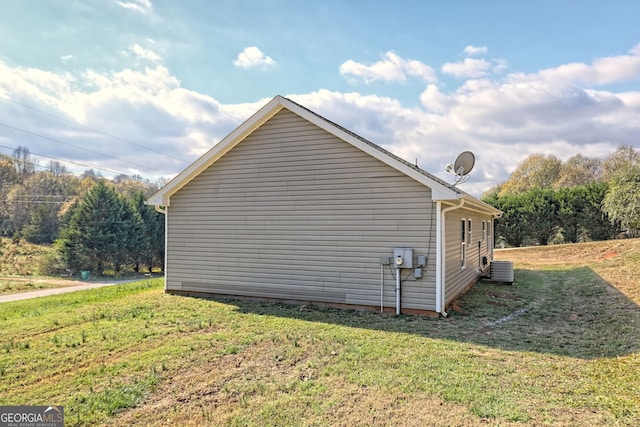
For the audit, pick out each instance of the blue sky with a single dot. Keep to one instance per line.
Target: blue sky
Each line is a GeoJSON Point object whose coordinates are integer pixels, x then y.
{"type": "Point", "coordinates": [424, 80]}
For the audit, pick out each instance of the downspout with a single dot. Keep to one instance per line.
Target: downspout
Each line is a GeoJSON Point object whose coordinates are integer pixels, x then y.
{"type": "Point", "coordinates": [441, 243]}
{"type": "Point", "coordinates": [381, 288]}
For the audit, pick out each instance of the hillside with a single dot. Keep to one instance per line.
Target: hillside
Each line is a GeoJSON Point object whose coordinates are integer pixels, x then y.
{"type": "Point", "coordinates": [21, 258]}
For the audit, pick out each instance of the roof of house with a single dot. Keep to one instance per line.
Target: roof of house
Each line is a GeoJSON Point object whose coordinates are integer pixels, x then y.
{"type": "Point", "coordinates": [440, 190]}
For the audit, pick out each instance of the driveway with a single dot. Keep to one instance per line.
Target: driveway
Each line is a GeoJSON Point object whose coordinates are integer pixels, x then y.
{"type": "Point", "coordinates": [73, 286]}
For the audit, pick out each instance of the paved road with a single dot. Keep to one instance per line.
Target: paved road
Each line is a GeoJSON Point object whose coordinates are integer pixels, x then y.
{"type": "Point", "coordinates": [63, 290]}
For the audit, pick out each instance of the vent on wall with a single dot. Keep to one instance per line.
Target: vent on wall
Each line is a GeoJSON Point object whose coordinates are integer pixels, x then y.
{"type": "Point", "coordinates": [501, 271]}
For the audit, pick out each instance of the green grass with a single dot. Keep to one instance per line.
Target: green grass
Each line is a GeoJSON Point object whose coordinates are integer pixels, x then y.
{"type": "Point", "coordinates": [560, 347]}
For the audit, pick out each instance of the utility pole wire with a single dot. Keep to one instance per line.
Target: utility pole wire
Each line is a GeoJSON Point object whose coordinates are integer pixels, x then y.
{"type": "Point", "coordinates": [68, 161]}
{"type": "Point", "coordinates": [73, 145]}
{"type": "Point", "coordinates": [93, 129]}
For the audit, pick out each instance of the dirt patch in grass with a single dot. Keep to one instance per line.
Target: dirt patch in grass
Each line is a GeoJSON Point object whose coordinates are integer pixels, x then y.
{"type": "Point", "coordinates": [609, 255]}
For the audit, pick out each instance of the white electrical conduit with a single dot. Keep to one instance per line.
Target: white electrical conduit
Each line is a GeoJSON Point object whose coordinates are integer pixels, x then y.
{"type": "Point", "coordinates": [397, 289]}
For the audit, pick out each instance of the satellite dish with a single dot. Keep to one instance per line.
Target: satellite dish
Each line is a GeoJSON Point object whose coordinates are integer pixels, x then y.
{"type": "Point", "coordinates": [462, 166]}
{"type": "Point", "coordinates": [464, 163]}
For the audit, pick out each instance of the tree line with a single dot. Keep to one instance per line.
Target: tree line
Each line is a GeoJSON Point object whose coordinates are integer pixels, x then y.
{"type": "Point", "coordinates": [548, 201]}
{"type": "Point", "coordinates": [93, 223]}
{"type": "Point", "coordinates": [97, 224]}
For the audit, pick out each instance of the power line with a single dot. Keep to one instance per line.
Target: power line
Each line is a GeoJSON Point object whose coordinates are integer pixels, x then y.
{"type": "Point", "coordinates": [92, 129]}
{"type": "Point", "coordinates": [72, 145]}
{"type": "Point", "coordinates": [39, 196]}
{"type": "Point", "coordinates": [70, 161]}
{"type": "Point", "coordinates": [38, 202]}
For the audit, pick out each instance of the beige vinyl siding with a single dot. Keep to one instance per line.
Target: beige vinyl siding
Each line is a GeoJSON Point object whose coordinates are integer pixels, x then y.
{"type": "Point", "coordinates": [294, 213]}
{"type": "Point", "coordinates": [457, 277]}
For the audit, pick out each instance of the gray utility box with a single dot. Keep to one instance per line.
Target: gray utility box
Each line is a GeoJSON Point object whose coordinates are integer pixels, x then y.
{"type": "Point", "coordinates": [405, 255]}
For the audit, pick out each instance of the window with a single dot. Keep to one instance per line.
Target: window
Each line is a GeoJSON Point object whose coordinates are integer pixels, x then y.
{"type": "Point", "coordinates": [463, 243]}
{"type": "Point", "coordinates": [465, 240]}
{"type": "Point", "coordinates": [484, 231]}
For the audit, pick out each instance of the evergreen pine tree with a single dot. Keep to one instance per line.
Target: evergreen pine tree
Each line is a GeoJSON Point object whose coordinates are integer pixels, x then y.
{"type": "Point", "coordinates": [102, 231]}
{"type": "Point", "coordinates": [142, 253]}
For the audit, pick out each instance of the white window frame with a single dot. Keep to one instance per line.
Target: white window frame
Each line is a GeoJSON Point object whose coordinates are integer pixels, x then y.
{"type": "Point", "coordinates": [465, 237]}
{"type": "Point", "coordinates": [463, 243]}
{"type": "Point", "coordinates": [484, 230]}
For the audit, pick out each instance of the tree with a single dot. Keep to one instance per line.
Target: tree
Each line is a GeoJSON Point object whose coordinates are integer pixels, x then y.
{"type": "Point", "coordinates": [142, 252]}
{"type": "Point", "coordinates": [570, 209]}
{"type": "Point", "coordinates": [580, 213]}
{"type": "Point", "coordinates": [595, 222]}
{"type": "Point", "coordinates": [511, 226]}
{"type": "Point", "coordinates": [101, 232]}
{"type": "Point", "coordinates": [151, 252]}
{"type": "Point", "coordinates": [34, 205]}
{"type": "Point", "coordinates": [622, 202]}
{"type": "Point", "coordinates": [129, 187]}
{"type": "Point", "coordinates": [24, 164]}
{"type": "Point", "coordinates": [57, 168]}
{"type": "Point", "coordinates": [157, 234]}
{"type": "Point", "coordinates": [579, 170]}
{"type": "Point", "coordinates": [8, 178]}
{"type": "Point", "coordinates": [541, 214]}
{"type": "Point", "coordinates": [131, 233]}
{"type": "Point", "coordinates": [536, 171]}
{"type": "Point", "coordinates": [624, 157]}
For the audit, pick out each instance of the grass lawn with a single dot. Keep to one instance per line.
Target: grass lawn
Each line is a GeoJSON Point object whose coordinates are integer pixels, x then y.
{"type": "Point", "coordinates": [560, 347]}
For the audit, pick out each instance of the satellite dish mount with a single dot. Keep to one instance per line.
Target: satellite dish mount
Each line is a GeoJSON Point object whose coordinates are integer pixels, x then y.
{"type": "Point", "coordinates": [462, 166]}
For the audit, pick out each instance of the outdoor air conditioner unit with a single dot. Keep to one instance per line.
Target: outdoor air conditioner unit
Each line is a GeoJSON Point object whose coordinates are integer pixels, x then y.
{"type": "Point", "coordinates": [501, 271]}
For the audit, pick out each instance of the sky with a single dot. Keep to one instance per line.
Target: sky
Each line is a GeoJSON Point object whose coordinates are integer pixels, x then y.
{"type": "Point", "coordinates": [144, 87]}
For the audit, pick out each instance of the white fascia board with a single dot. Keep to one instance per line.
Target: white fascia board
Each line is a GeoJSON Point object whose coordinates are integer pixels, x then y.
{"type": "Point", "coordinates": [163, 196]}
{"type": "Point", "coordinates": [477, 205]}
{"type": "Point", "coordinates": [473, 204]}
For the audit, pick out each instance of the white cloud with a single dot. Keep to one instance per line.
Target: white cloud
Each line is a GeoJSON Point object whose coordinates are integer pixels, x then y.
{"type": "Point", "coordinates": [602, 71]}
{"type": "Point", "coordinates": [143, 53]}
{"type": "Point", "coordinates": [148, 108]}
{"type": "Point", "coordinates": [475, 50]}
{"type": "Point", "coordinates": [140, 6]}
{"type": "Point", "coordinates": [252, 57]}
{"type": "Point", "coordinates": [434, 100]}
{"type": "Point", "coordinates": [469, 68]}
{"type": "Point", "coordinates": [473, 68]}
{"type": "Point", "coordinates": [66, 59]}
{"type": "Point", "coordinates": [502, 120]}
{"type": "Point", "coordinates": [390, 69]}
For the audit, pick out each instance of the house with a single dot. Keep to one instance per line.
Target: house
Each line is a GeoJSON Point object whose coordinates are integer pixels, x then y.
{"type": "Point", "coordinates": [293, 207]}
